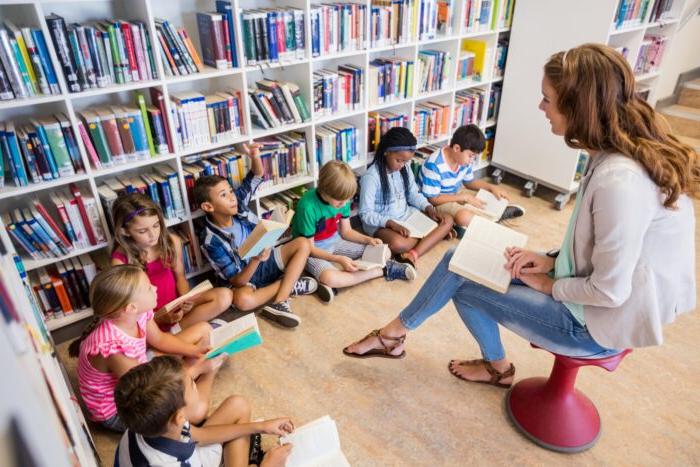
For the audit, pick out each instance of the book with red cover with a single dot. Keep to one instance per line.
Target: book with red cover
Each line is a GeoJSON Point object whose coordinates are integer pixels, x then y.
{"type": "Point", "coordinates": [158, 100]}
{"type": "Point", "coordinates": [83, 213]}
{"type": "Point", "coordinates": [49, 220]}
{"type": "Point", "coordinates": [89, 147]}
{"type": "Point", "coordinates": [62, 295]}
{"type": "Point", "coordinates": [111, 131]}
{"type": "Point", "coordinates": [130, 50]}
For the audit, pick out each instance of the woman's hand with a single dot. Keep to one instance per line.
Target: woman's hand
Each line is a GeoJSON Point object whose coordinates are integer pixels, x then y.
{"type": "Point", "coordinates": [398, 228]}
{"type": "Point", "coordinates": [521, 262]}
{"type": "Point", "coordinates": [277, 426]}
{"type": "Point", "coordinates": [540, 282]}
{"type": "Point", "coordinates": [346, 263]}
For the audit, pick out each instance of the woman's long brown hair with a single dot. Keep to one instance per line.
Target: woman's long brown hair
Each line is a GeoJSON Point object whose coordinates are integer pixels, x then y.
{"type": "Point", "coordinates": [595, 89]}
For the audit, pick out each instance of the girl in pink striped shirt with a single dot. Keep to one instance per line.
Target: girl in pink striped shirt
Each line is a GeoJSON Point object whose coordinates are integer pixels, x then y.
{"type": "Point", "coordinates": [116, 340]}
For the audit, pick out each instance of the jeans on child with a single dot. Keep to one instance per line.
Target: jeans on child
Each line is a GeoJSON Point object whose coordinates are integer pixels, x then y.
{"type": "Point", "coordinates": [532, 315]}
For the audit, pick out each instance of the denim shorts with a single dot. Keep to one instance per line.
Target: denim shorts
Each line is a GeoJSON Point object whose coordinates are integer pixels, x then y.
{"type": "Point", "coordinates": [269, 271]}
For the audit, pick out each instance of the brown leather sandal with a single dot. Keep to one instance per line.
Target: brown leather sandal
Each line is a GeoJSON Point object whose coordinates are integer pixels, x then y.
{"type": "Point", "coordinates": [384, 352]}
{"type": "Point", "coordinates": [496, 376]}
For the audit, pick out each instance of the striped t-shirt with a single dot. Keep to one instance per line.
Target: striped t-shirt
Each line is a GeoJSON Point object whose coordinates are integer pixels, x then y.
{"type": "Point", "coordinates": [96, 387]}
{"type": "Point", "coordinates": [436, 177]}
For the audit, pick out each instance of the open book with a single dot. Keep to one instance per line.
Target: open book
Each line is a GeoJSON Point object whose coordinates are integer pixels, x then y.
{"type": "Point", "coordinates": [418, 224]}
{"type": "Point", "coordinates": [236, 336]}
{"type": "Point", "coordinates": [173, 305]}
{"type": "Point", "coordinates": [282, 215]}
{"type": "Point", "coordinates": [315, 444]}
{"type": "Point", "coordinates": [479, 255]}
{"type": "Point", "coordinates": [374, 256]}
{"type": "Point", "coordinates": [264, 235]}
{"type": "Point", "coordinates": [493, 207]}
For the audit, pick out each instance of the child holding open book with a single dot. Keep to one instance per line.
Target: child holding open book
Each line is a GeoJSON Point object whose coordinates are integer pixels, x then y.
{"type": "Point", "coordinates": [153, 399]}
{"type": "Point", "coordinates": [268, 279]}
{"type": "Point", "coordinates": [141, 238]}
{"type": "Point", "coordinates": [445, 171]}
{"type": "Point", "coordinates": [323, 216]}
{"type": "Point", "coordinates": [115, 341]}
{"type": "Point", "coordinates": [389, 195]}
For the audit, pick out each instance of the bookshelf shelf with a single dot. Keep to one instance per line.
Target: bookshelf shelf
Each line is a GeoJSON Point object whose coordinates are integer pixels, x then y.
{"type": "Point", "coordinates": [207, 73]}
{"type": "Point", "coordinates": [357, 164]}
{"type": "Point", "coordinates": [329, 118]}
{"type": "Point", "coordinates": [295, 182]}
{"type": "Point", "coordinates": [212, 146]}
{"type": "Point", "coordinates": [258, 133]}
{"type": "Point", "coordinates": [349, 53]}
{"type": "Point", "coordinates": [11, 192]}
{"type": "Point", "coordinates": [392, 103]}
{"type": "Point", "coordinates": [32, 264]}
{"type": "Point", "coordinates": [647, 76]}
{"type": "Point", "coordinates": [78, 315]}
{"type": "Point", "coordinates": [115, 88]}
{"type": "Point", "coordinates": [30, 101]}
{"type": "Point", "coordinates": [392, 48]}
{"type": "Point", "coordinates": [173, 221]}
{"type": "Point", "coordinates": [116, 169]}
{"type": "Point", "coordinates": [198, 272]}
{"type": "Point", "coordinates": [271, 66]}
{"type": "Point", "coordinates": [432, 94]}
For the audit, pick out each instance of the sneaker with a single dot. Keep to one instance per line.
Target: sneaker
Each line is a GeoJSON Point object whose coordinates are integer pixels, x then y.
{"type": "Point", "coordinates": [217, 323]}
{"type": "Point", "coordinates": [255, 452]}
{"type": "Point", "coordinates": [395, 270]}
{"type": "Point", "coordinates": [281, 313]}
{"type": "Point", "coordinates": [305, 286]}
{"type": "Point", "coordinates": [325, 293]}
{"type": "Point", "coordinates": [512, 211]}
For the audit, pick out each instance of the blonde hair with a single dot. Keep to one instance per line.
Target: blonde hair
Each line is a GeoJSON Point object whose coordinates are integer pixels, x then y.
{"type": "Point", "coordinates": [595, 89]}
{"type": "Point", "coordinates": [111, 291]}
{"type": "Point", "coordinates": [124, 211]}
{"type": "Point", "coordinates": [336, 180]}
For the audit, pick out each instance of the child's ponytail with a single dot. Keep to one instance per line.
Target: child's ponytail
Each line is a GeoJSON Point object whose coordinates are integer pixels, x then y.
{"type": "Point", "coordinates": [396, 139]}
{"type": "Point", "coordinates": [110, 291]}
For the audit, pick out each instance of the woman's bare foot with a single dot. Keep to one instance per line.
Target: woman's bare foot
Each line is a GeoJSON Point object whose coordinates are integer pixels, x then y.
{"type": "Point", "coordinates": [390, 345]}
{"type": "Point", "coordinates": [476, 371]}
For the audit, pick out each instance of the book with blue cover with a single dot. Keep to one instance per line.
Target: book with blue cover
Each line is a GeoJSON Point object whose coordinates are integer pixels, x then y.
{"type": "Point", "coordinates": [236, 336]}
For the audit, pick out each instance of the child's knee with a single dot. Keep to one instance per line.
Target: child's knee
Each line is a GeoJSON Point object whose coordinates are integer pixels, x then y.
{"type": "Point", "coordinates": [243, 299]}
{"type": "Point", "coordinates": [198, 411]}
{"type": "Point", "coordinates": [302, 244]}
{"type": "Point", "coordinates": [237, 407]}
{"type": "Point", "coordinates": [401, 245]}
{"type": "Point", "coordinates": [463, 217]}
{"type": "Point", "coordinates": [224, 298]}
{"type": "Point", "coordinates": [328, 277]}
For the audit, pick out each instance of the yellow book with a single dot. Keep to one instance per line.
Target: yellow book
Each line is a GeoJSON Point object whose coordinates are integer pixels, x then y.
{"type": "Point", "coordinates": [480, 49]}
{"type": "Point", "coordinates": [25, 56]}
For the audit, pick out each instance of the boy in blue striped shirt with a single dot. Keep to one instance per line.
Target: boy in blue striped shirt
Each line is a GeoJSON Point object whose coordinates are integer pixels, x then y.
{"type": "Point", "coordinates": [447, 172]}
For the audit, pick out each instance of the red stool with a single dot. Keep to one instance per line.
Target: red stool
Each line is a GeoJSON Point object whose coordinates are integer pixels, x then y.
{"type": "Point", "coordinates": [554, 414]}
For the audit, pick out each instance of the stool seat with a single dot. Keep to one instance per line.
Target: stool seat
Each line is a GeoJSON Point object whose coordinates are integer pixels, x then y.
{"type": "Point", "coordinates": [552, 412]}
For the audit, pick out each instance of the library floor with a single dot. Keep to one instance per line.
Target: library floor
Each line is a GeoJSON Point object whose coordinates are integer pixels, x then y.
{"type": "Point", "coordinates": [413, 412]}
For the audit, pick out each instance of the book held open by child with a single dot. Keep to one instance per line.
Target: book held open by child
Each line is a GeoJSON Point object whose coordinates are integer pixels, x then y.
{"type": "Point", "coordinates": [493, 207]}
{"type": "Point", "coordinates": [196, 290]}
{"type": "Point", "coordinates": [236, 336]}
{"type": "Point", "coordinates": [315, 444]}
{"type": "Point", "coordinates": [264, 235]}
{"type": "Point", "coordinates": [374, 256]}
{"type": "Point", "coordinates": [418, 224]}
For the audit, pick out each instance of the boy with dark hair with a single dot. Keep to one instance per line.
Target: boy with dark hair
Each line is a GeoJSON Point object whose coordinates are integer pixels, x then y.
{"type": "Point", "coordinates": [266, 280]}
{"type": "Point", "coordinates": [447, 171]}
{"type": "Point", "coordinates": [151, 400]}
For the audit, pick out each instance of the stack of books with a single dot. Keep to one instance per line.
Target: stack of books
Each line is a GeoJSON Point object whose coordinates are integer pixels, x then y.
{"type": "Point", "coordinates": [64, 288]}
{"type": "Point", "coordinates": [272, 35]}
{"type": "Point", "coordinates": [276, 103]}
{"type": "Point", "coordinates": [338, 27]}
{"type": "Point", "coordinates": [284, 158]}
{"type": "Point", "coordinates": [39, 150]}
{"type": "Point", "coordinates": [651, 53]}
{"type": "Point", "coordinates": [631, 13]}
{"type": "Point", "coordinates": [336, 141]}
{"type": "Point", "coordinates": [102, 54]}
{"type": "Point", "coordinates": [205, 119]}
{"type": "Point", "coordinates": [477, 15]}
{"type": "Point", "coordinates": [337, 91]}
{"type": "Point", "coordinates": [379, 123]}
{"type": "Point", "coordinates": [660, 11]}
{"type": "Point", "coordinates": [465, 66]}
{"type": "Point", "coordinates": [480, 54]}
{"type": "Point", "coordinates": [160, 184]}
{"type": "Point", "coordinates": [433, 70]}
{"type": "Point", "coordinates": [226, 162]}
{"type": "Point", "coordinates": [68, 221]}
{"type": "Point", "coordinates": [494, 101]}
{"type": "Point", "coordinates": [390, 79]}
{"type": "Point", "coordinates": [469, 105]}
{"type": "Point", "coordinates": [499, 66]}
{"type": "Point", "coordinates": [431, 121]}
{"type": "Point", "coordinates": [189, 258]}
{"type": "Point", "coordinates": [26, 69]}
{"type": "Point", "coordinates": [282, 202]}
{"type": "Point", "coordinates": [392, 22]}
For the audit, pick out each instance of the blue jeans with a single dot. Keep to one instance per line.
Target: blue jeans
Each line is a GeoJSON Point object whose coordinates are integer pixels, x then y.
{"type": "Point", "coordinates": [532, 315]}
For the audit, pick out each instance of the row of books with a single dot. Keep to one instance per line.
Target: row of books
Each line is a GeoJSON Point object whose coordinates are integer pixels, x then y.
{"type": "Point", "coordinates": [284, 157]}
{"type": "Point", "coordinates": [160, 184]}
{"type": "Point", "coordinates": [630, 13]}
{"type": "Point", "coordinates": [469, 106]}
{"type": "Point", "coordinates": [465, 66]}
{"type": "Point", "coordinates": [337, 27]}
{"type": "Point", "coordinates": [494, 101]}
{"type": "Point", "coordinates": [478, 15]}
{"type": "Point", "coordinates": [434, 16]}
{"type": "Point", "coordinates": [284, 201]}
{"type": "Point", "coordinates": [276, 103]}
{"type": "Point", "coordinates": [379, 123]}
{"type": "Point", "coordinates": [40, 150]}
{"type": "Point", "coordinates": [661, 10]}
{"type": "Point", "coordinates": [505, 16]}
{"type": "Point", "coordinates": [225, 162]}
{"type": "Point", "coordinates": [204, 119]}
{"type": "Point", "coordinates": [337, 91]}
{"type": "Point", "coordinates": [336, 141]}
{"type": "Point", "coordinates": [176, 49]}
{"type": "Point", "coordinates": [101, 54]}
{"type": "Point", "coordinates": [432, 70]}
{"type": "Point", "coordinates": [52, 229]}
{"type": "Point", "coordinates": [189, 259]}
{"type": "Point", "coordinates": [390, 79]}
{"type": "Point", "coordinates": [431, 121]}
{"type": "Point", "coordinates": [499, 65]}
{"type": "Point", "coordinates": [391, 22]}
{"type": "Point", "coordinates": [651, 52]}
{"type": "Point", "coordinates": [64, 287]}
{"type": "Point", "coordinates": [26, 69]}
{"type": "Point", "coordinates": [271, 35]}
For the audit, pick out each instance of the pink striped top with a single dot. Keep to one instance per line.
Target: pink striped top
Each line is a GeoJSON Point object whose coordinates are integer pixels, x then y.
{"type": "Point", "coordinates": [96, 387]}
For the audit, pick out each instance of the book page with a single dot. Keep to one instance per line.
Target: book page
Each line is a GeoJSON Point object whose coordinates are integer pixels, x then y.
{"type": "Point", "coordinates": [482, 264]}
{"type": "Point", "coordinates": [494, 235]}
{"type": "Point", "coordinates": [377, 254]}
{"type": "Point", "coordinates": [198, 289]}
{"type": "Point", "coordinates": [224, 334]}
{"type": "Point", "coordinates": [492, 205]}
{"type": "Point", "coordinates": [314, 444]}
{"type": "Point", "coordinates": [418, 224]}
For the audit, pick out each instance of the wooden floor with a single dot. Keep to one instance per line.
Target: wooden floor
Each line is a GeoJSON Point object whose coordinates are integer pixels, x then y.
{"type": "Point", "coordinates": [412, 412]}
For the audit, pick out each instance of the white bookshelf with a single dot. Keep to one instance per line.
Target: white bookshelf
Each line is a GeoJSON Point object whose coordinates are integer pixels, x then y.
{"type": "Point", "coordinates": [182, 13]}
{"type": "Point", "coordinates": [524, 143]}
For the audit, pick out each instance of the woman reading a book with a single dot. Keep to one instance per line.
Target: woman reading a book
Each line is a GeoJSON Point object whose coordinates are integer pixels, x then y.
{"type": "Point", "coordinates": [626, 264]}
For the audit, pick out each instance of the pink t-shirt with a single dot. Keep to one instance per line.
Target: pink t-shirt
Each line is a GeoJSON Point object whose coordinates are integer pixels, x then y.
{"type": "Point", "coordinates": [96, 387]}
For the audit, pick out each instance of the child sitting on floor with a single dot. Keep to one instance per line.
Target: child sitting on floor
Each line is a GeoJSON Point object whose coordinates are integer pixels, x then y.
{"type": "Point", "coordinates": [268, 279]}
{"type": "Point", "coordinates": [115, 341]}
{"type": "Point", "coordinates": [323, 216]}
{"type": "Point", "coordinates": [388, 193]}
{"type": "Point", "coordinates": [152, 400]}
{"type": "Point", "coordinates": [445, 171]}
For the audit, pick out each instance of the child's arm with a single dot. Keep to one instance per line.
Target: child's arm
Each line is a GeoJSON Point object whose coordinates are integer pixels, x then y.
{"type": "Point", "coordinates": [218, 434]}
{"type": "Point", "coordinates": [253, 151]}
{"type": "Point", "coordinates": [118, 364]}
{"type": "Point", "coordinates": [352, 235]}
{"type": "Point", "coordinates": [370, 190]}
{"type": "Point", "coordinates": [169, 344]}
{"type": "Point", "coordinates": [243, 277]}
{"type": "Point", "coordinates": [482, 184]}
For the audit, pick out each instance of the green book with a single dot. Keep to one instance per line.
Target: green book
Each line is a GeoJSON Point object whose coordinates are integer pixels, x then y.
{"type": "Point", "coordinates": [141, 101]}
{"type": "Point", "coordinates": [299, 101]}
{"type": "Point", "coordinates": [409, 78]}
{"type": "Point", "coordinates": [116, 56]}
{"type": "Point", "coordinates": [236, 336]}
{"type": "Point", "coordinates": [57, 143]}
{"type": "Point", "coordinates": [98, 137]}
{"type": "Point", "coordinates": [249, 38]}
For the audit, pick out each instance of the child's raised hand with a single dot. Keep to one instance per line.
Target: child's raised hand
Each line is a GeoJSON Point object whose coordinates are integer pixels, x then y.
{"type": "Point", "coordinates": [277, 456]}
{"type": "Point", "coordinates": [253, 150]}
{"type": "Point", "coordinates": [277, 426]}
{"type": "Point", "coordinates": [346, 263]}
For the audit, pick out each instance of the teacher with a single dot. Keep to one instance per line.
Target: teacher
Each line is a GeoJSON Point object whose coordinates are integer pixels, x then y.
{"type": "Point", "coordinates": [626, 266]}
